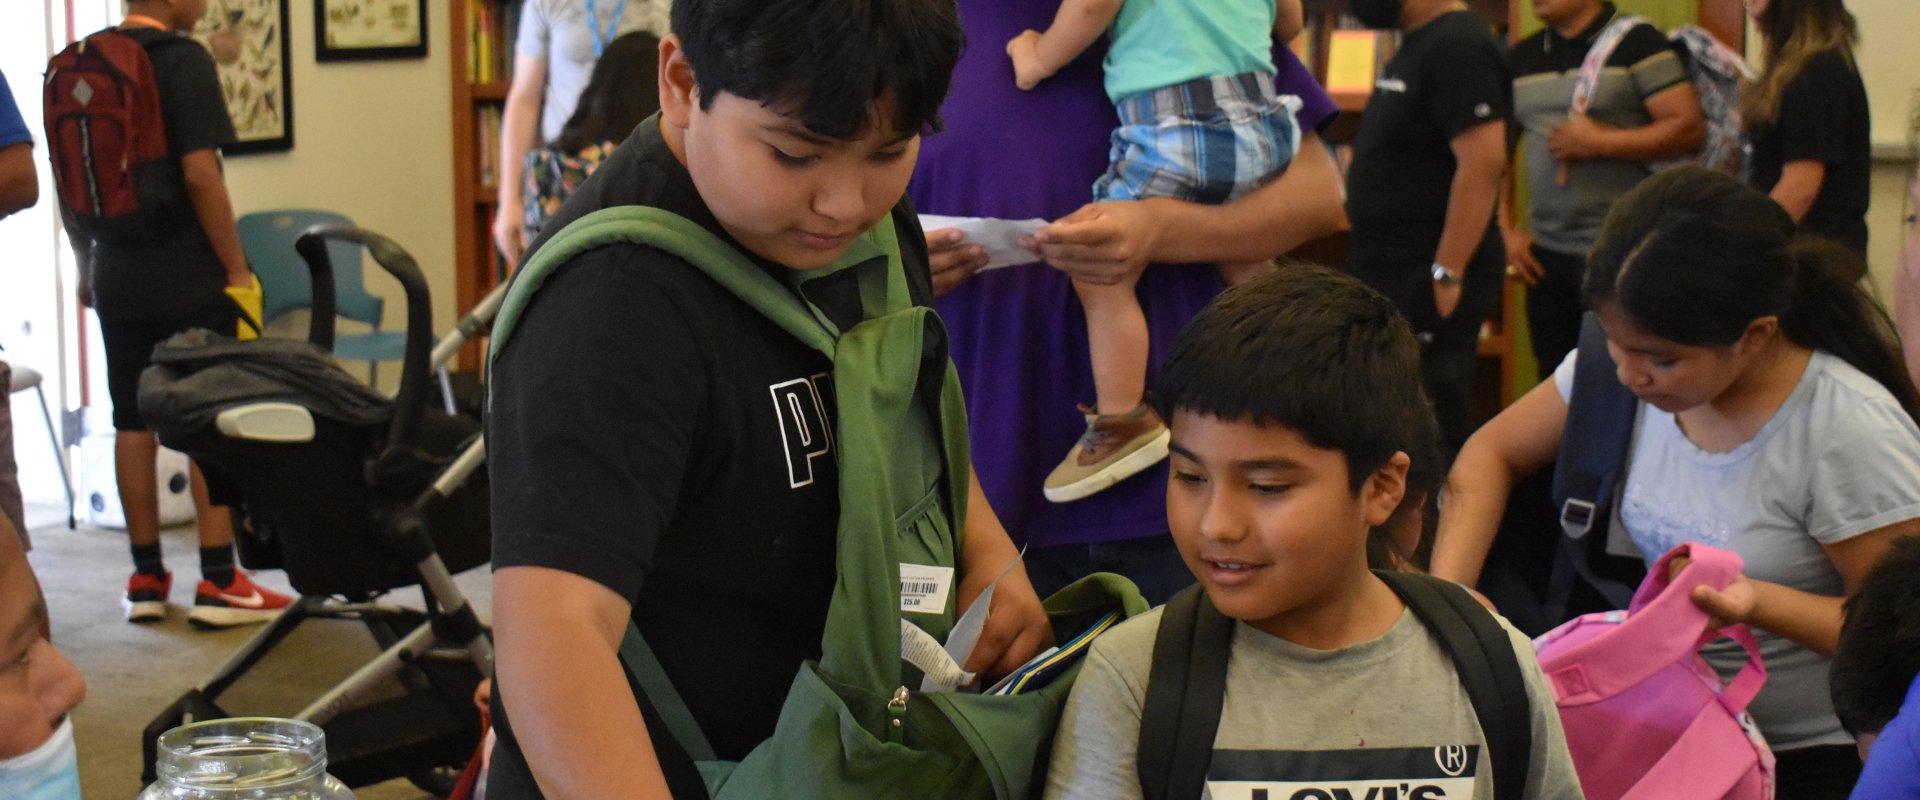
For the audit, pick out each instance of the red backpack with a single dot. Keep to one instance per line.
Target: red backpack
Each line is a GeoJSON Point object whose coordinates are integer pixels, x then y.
{"type": "Point", "coordinates": [106, 137]}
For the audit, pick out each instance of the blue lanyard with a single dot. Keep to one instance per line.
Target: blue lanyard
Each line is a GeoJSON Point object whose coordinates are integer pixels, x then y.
{"type": "Point", "coordinates": [593, 19]}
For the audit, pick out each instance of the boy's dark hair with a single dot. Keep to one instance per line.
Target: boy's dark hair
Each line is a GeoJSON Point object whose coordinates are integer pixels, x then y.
{"type": "Point", "coordinates": [1309, 349]}
{"type": "Point", "coordinates": [1879, 652]}
{"type": "Point", "coordinates": [1405, 540]}
{"type": "Point", "coordinates": [619, 95]}
{"type": "Point", "coordinates": [826, 61]}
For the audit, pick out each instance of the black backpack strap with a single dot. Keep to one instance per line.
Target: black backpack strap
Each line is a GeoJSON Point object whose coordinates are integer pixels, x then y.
{"type": "Point", "coordinates": [1185, 688]}
{"type": "Point", "coordinates": [1489, 669]}
{"type": "Point", "coordinates": [1594, 448]}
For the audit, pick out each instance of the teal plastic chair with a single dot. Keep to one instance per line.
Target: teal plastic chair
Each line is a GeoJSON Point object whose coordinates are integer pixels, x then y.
{"type": "Point", "coordinates": [285, 284]}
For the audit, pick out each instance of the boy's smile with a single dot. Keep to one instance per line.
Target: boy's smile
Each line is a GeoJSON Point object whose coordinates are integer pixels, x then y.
{"type": "Point", "coordinates": [1271, 526]}
{"type": "Point", "coordinates": [782, 191]}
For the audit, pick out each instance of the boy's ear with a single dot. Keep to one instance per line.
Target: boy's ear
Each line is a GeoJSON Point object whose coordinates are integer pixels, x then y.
{"type": "Point", "coordinates": [678, 94]}
{"type": "Point", "coordinates": [1385, 488]}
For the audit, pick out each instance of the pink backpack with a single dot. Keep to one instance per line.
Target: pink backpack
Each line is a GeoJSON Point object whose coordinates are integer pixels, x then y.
{"type": "Point", "coordinates": [1644, 714]}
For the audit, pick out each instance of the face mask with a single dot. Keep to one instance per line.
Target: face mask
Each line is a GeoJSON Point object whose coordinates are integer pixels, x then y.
{"type": "Point", "coordinates": [50, 772]}
{"type": "Point", "coordinates": [1380, 14]}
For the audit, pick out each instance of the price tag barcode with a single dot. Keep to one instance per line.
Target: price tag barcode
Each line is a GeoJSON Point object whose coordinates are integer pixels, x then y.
{"type": "Point", "coordinates": [923, 589]}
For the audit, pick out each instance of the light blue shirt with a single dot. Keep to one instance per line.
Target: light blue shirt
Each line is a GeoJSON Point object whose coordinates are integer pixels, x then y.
{"type": "Point", "coordinates": [1839, 459]}
{"type": "Point", "coordinates": [1160, 43]}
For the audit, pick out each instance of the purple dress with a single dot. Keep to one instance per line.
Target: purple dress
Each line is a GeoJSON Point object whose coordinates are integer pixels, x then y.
{"type": "Point", "coordinates": [1019, 337]}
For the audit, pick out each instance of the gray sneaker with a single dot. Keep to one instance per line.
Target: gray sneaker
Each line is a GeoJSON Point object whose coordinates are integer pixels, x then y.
{"type": "Point", "coordinates": [1114, 447]}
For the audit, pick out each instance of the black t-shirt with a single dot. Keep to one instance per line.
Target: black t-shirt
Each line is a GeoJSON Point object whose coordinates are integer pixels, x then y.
{"type": "Point", "coordinates": [1449, 75]}
{"type": "Point", "coordinates": [175, 274]}
{"type": "Point", "coordinates": [652, 432]}
{"type": "Point", "coordinates": [1823, 117]}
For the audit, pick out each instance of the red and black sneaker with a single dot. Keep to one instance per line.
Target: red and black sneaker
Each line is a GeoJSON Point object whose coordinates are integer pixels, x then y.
{"type": "Point", "coordinates": [146, 598]}
{"type": "Point", "coordinates": [242, 603]}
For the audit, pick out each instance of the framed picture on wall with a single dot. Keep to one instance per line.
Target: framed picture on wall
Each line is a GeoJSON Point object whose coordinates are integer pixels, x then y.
{"type": "Point", "coordinates": [357, 30]}
{"type": "Point", "coordinates": [248, 40]}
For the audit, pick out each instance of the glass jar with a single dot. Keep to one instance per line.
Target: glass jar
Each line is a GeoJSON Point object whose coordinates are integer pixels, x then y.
{"type": "Point", "coordinates": [250, 758]}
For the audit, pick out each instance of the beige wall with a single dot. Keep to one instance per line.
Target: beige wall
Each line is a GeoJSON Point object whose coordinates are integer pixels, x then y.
{"type": "Point", "coordinates": [1886, 228]}
{"type": "Point", "coordinates": [1889, 58]}
{"type": "Point", "coordinates": [1889, 63]}
{"type": "Point", "coordinates": [370, 141]}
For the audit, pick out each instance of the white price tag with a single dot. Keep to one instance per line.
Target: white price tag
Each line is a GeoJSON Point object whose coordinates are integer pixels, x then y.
{"type": "Point", "coordinates": [920, 649]}
{"type": "Point", "coordinates": [923, 589]}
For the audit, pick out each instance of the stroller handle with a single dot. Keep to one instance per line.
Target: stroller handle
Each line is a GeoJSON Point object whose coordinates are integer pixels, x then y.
{"type": "Point", "coordinates": [410, 403]}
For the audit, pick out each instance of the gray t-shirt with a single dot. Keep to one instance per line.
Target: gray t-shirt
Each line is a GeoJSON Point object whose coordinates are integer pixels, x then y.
{"type": "Point", "coordinates": [557, 32]}
{"type": "Point", "coordinates": [1384, 716]}
{"type": "Point", "coordinates": [1840, 458]}
{"type": "Point", "coordinates": [1566, 218]}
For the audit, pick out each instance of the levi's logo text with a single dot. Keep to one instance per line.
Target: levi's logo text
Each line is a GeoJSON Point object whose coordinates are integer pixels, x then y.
{"type": "Point", "coordinates": [1393, 773]}
{"type": "Point", "coordinates": [804, 432]}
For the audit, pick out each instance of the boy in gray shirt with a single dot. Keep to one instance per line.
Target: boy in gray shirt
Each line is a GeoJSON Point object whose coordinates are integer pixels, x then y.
{"type": "Point", "coordinates": [1333, 687]}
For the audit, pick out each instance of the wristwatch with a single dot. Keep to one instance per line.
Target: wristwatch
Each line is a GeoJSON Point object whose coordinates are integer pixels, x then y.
{"type": "Point", "coordinates": [1443, 276]}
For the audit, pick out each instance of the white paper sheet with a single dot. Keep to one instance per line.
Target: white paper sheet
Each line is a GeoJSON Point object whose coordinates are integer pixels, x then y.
{"type": "Point", "coordinates": [1001, 237]}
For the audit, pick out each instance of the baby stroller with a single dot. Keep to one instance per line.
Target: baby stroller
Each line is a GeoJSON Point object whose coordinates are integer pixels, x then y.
{"type": "Point", "coordinates": [353, 496]}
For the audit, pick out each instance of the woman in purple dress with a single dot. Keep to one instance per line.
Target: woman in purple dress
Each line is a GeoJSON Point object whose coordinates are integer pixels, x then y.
{"type": "Point", "coordinates": [1018, 336]}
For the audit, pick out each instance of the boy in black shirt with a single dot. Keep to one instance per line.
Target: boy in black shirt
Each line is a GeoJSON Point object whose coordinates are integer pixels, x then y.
{"type": "Point", "coordinates": [1421, 192]}
{"type": "Point", "coordinates": [147, 291]}
{"type": "Point", "coordinates": [663, 452]}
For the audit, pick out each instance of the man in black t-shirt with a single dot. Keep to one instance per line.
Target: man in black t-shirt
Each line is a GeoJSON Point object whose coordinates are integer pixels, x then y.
{"type": "Point", "coordinates": [1641, 109]}
{"type": "Point", "coordinates": [1422, 188]}
{"type": "Point", "coordinates": [147, 291]}
{"type": "Point", "coordinates": [663, 452]}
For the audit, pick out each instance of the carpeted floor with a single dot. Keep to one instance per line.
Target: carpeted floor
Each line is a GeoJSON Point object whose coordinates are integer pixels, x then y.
{"type": "Point", "coordinates": [134, 672]}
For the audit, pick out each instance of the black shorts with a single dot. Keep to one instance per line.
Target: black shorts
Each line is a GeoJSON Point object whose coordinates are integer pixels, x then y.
{"type": "Point", "coordinates": [129, 347]}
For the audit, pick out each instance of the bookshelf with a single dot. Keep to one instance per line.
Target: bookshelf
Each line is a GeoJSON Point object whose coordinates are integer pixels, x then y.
{"type": "Point", "coordinates": [1346, 57]}
{"type": "Point", "coordinates": [482, 41]}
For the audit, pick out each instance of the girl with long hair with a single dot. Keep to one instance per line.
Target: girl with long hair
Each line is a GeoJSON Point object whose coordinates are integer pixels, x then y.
{"type": "Point", "coordinates": [1777, 422]}
{"type": "Point", "coordinates": [622, 92]}
{"type": "Point", "coordinates": [1808, 118]}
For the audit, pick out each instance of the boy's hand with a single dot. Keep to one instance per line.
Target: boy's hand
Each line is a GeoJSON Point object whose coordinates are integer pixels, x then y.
{"type": "Point", "coordinates": [952, 259]}
{"type": "Point", "coordinates": [1017, 628]}
{"type": "Point", "coordinates": [1028, 71]}
{"type": "Point", "coordinates": [1102, 243]}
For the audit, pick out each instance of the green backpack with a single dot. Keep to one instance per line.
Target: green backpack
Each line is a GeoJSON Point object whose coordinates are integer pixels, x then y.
{"type": "Point", "coordinates": [851, 725]}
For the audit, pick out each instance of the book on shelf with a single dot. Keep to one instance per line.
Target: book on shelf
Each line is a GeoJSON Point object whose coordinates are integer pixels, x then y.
{"type": "Point", "coordinates": [1357, 55]}
{"type": "Point", "coordinates": [486, 126]}
{"type": "Point", "coordinates": [1351, 61]}
{"type": "Point", "coordinates": [491, 27]}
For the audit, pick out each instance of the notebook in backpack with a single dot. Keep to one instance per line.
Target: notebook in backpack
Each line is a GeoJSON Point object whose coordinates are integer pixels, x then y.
{"type": "Point", "coordinates": [1717, 74]}
{"type": "Point", "coordinates": [106, 138]}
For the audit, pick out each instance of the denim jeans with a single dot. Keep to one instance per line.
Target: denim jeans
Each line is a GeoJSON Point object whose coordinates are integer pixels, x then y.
{"type": "Point", "coordinates": [1152, 562]}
